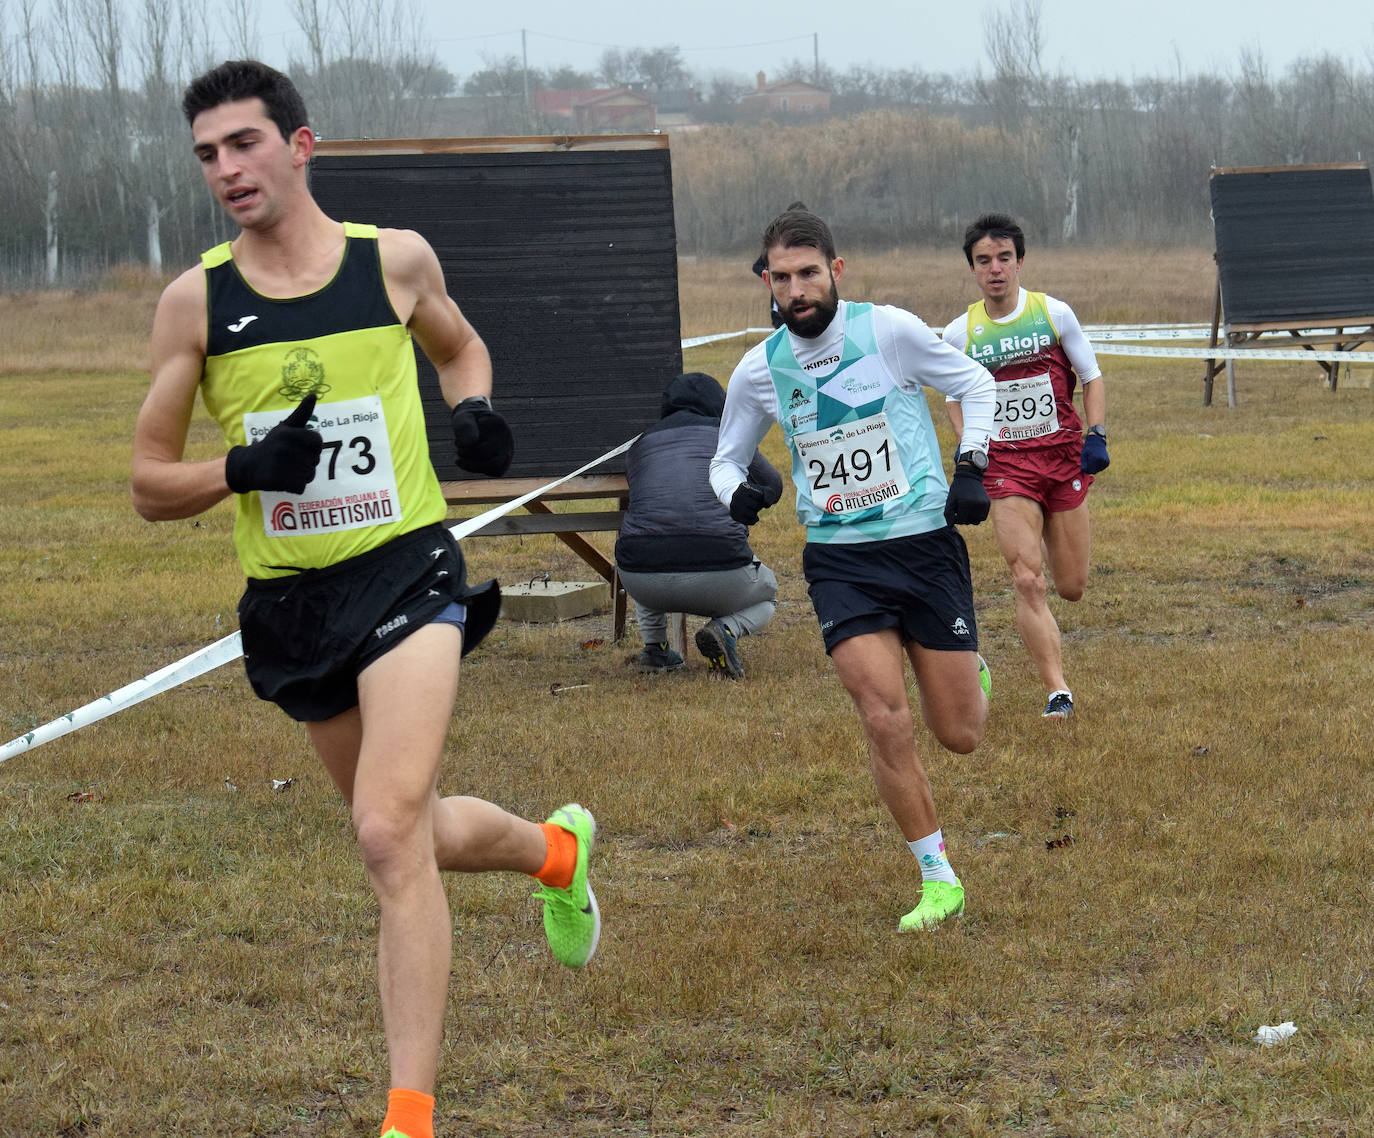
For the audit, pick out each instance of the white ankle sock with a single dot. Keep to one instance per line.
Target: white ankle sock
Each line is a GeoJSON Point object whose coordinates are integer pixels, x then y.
{"type": "Point", "coordinates": [930, 854]}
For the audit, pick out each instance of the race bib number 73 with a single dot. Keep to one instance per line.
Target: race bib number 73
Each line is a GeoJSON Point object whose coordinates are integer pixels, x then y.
{"type": "Point", "coordinates": [355, 483]}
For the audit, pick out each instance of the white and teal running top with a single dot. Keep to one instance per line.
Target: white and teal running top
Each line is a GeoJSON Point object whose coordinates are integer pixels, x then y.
{"type": "Point", "coordinates": [865, 458]}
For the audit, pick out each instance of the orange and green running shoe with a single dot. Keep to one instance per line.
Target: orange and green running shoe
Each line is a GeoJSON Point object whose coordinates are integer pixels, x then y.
{"type": "Point", "coordinates": [572, 922]}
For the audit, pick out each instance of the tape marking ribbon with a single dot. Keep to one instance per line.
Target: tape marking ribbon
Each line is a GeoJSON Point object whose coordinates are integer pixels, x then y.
{"type": "Point", "coordinates": [1105, 340]}
{"type": "Point", "coordinates": [230, 648]}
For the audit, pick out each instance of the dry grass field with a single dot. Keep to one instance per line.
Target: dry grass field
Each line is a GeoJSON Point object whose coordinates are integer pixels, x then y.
{"type": "Point", "coordinates": [184, 951]}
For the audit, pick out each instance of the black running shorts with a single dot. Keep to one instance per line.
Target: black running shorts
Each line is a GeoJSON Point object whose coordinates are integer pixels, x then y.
{"type": "Point", "coordinates": [307, 636]}
{"type": "Point", "coordinates": [918, 585]}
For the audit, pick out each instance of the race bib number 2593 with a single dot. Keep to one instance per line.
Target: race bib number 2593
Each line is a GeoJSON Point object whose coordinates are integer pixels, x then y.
{"type": "Point", "coordinates": [1025, 409]}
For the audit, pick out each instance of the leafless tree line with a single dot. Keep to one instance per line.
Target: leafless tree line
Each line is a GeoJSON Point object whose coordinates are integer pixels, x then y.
{"type": "Point", "coordinates": [96, 169]}
{"type": "Point", "coordinates": [95, 162]}
{"type": "Point", "coordinates": [1075, 160]}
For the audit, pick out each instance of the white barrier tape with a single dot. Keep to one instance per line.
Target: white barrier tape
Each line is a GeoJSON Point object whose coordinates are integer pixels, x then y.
{"type": "Point", "coordinates": [469, 525]}
{"type": "Point", "coordinates": [1161, 327]}
{"type": "Point", "coordinates": [230, 647]}
{"type": "Point", "coordinates": [1146, 332]}
{"type": "Point", "coordinates": [1220, 353]}
{"type": "Point", "coordinates": [1104, 337]}
{"type": "Point", "coordinates": [1093, 332]}
{"type": "Point", "coordinates": [198, 663]}
{"type": "Point", "coordinates": [697, 341]}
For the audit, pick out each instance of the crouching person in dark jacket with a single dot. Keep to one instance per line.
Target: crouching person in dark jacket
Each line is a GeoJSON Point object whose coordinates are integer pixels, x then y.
{"type": "Point", "coordinates": [679, 550]}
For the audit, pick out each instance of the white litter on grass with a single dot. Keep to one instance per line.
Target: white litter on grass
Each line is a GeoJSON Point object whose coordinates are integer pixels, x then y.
{"type": "Point", "coordinates": [1272, 1035]}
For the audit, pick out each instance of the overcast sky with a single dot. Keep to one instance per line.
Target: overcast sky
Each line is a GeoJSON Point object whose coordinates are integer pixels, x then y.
{"type": "Point", "coordinates": [1088, 38]}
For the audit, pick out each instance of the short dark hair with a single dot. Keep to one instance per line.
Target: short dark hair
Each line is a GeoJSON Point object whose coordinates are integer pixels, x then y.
{"type": "Point", "coordinates": [998, 225]}
{"type": "Point", "coordinates": [237, 79]}
{"type": "Point", "coordinates": [799, 228]}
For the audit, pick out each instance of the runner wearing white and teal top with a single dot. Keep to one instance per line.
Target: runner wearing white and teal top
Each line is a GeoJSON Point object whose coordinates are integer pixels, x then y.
{"type": "Point", "coordinates": [865, 458]}
{"type": "Point", "coordinates": [887, 572]}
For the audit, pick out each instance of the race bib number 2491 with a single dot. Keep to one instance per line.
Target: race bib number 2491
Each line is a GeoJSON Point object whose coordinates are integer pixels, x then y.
{"type": "Point", "coordinates": [853, 466]}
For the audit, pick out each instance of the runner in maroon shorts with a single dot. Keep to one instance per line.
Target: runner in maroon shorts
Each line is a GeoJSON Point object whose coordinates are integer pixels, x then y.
{"type": "Point", "coordinates": [1040, 465]}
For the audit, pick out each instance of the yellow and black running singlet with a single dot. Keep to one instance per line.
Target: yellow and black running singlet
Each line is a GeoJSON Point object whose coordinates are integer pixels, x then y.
{"type": "Point", "coordinates": [344, 344]}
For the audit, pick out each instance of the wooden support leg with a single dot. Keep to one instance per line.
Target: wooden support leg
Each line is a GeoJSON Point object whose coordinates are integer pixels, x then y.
{"type": "Point", "coordinates": [677, 632]}
{"type": "Point", "coordinates": [1212, 366]}
{"type": "Point", "coordinates": [619, 605]}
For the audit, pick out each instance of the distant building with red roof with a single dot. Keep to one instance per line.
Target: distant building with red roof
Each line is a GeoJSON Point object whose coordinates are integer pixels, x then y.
{"type": "Point", "coordinates": [785, 97]}
{"type": "Point", "coordinates": [599, 111]}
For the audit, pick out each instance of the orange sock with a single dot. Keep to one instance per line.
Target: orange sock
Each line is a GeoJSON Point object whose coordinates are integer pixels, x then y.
{"type": "Point", "coordinates": [561, 859]}
{"type": "Point", "coordinates": [410, 1113]}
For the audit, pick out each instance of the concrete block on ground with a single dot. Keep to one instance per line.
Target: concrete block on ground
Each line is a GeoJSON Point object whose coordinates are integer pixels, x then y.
{"type": "Point", "coordinates": [547, 602]}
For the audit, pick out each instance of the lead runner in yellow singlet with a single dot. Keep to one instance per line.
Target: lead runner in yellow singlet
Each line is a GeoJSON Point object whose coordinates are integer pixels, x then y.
{"type": "Point", "coordinates": [298, 336]}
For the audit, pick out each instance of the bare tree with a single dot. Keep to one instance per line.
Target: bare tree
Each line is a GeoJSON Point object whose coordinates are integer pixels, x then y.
{"type": "Point", "coordinates": [312, 18]}
{"type": "Point", "coordinates": [658, 69]}
{"type": "Point", "coordinates": [1041, 115]}
{"type": "Point", "coordinates": [615, 68]}
{"type": "Point", "coordinates": [240, 21]}
{"type": "Point", "coordinates": [1014, 42]}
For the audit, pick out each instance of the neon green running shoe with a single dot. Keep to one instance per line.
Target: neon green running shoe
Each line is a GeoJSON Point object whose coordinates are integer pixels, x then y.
{"type": "Point", "coordinates": [939, 899]}
{"type": "Point", "coordinates": [572, 922]}
{"type": "Point", "coordinates": [984, 676]}
{"type": "Point", "coordinates": [394, 1133]}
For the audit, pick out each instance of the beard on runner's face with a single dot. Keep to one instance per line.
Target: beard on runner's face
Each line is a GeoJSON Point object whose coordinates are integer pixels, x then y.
{"type": "Point", "coordinates": [818, 319]}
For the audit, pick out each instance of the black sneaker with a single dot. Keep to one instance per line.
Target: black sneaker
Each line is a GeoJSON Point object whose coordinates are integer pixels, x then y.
{"type": "Point", "coordinates": [1060, 706]}
{"type": "Point", "coordinates": [659, 658]}
{"type": "Point", "coordinates": [718, 646]}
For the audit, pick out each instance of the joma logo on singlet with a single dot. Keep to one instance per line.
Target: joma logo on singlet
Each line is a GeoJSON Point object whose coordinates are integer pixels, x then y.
{"type": "Point", "coordinates": [821, 363]}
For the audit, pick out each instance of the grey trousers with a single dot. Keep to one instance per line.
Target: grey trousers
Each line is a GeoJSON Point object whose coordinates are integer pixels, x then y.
{"type": "Point", "coordinates": [743, 599]}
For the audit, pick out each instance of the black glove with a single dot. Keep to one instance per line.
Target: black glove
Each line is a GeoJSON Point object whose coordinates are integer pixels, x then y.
{"type": "Point", "coordinates": [746, 503]}
{"type": "Point", "coordinates": [283, 459]}
{"type": "Point", "coordinates": [1095, 454]}
{"type": "Point", "coordinates": [967, 504]}
{"type": "Point", "coordinates": [482, 438]}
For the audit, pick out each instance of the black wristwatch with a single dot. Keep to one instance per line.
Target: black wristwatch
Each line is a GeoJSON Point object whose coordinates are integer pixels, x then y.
{"type": "Point", "coordinates": [1098, 429]}
{"type": "Point", "coordinates": [978, 459]}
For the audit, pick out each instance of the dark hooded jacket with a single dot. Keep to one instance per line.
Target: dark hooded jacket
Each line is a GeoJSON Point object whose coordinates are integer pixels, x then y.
{"type": "Point", "coordinates": [675, 523]}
